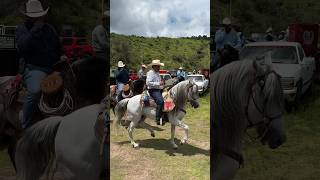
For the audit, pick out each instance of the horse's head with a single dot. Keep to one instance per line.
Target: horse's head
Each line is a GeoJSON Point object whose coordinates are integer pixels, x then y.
{"type": "Point", "coordinates": [193, 93]}
{"type": "Point", "coordinates": [265, 107]}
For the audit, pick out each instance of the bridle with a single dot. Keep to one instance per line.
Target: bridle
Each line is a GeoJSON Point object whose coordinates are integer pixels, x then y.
{"type": "Point", "coordinates": [190, 97]}
{"type": "Point", "coordinates": [266, 118]}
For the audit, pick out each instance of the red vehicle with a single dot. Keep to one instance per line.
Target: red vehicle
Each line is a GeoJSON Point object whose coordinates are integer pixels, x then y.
{"type": "Point", "coordinates": [164, 72]}
{"type": "Point", "coordinates": [76, 47]}
{"type": "Point", "coordinates": [308, 35]}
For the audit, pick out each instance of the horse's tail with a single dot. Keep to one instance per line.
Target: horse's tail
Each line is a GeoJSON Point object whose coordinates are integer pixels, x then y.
{"type": "Point", "coordinates": [35, 150]}
{"type": "Point", "coordinates": [120, 111]}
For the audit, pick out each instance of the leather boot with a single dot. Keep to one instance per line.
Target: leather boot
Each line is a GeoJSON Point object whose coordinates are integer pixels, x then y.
{"type": "Point", "coordinates": [158, 114]}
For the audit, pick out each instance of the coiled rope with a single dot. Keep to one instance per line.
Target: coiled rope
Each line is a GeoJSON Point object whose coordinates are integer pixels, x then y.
{"type": "Point", "coordinates": [65, 106]}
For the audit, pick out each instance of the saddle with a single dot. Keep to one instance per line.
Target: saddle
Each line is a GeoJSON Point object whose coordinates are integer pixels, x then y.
{"type": "Point", "coordinates": [52, 84]}
{"type": "Point", "coordinates": [147, 100]}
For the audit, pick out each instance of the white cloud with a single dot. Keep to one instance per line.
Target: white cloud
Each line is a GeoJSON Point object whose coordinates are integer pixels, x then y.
{"type": "Point", "coordinates": [170, 18]}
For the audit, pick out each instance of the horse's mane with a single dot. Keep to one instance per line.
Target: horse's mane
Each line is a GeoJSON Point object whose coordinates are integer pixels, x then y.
{"type": "Point", "coordinates": [273, 90]}
{"type": "Point", "coordinates": [179, 93]}
{"type": "Point", "coordinates": [231, 87]}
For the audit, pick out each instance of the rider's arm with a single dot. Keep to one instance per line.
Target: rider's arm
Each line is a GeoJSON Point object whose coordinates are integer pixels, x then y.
{"type": "Point", "coordinates": [101, 37]}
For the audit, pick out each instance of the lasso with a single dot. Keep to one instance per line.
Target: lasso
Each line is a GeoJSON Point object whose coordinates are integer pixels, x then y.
{"type": "Point", "coordinates": [65, 106]}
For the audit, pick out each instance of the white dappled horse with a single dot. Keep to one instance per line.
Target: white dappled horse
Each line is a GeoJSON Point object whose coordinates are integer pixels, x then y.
{"type": "Point", "coordinates": [136, 112]}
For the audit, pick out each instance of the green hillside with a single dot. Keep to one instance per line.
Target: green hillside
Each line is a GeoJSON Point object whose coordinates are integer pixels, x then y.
{"type": "Point", "coordinates": [257, 16]}
{"type": "Point", "coordinates": [81, 14]}
{"type": "Point", "coordinates": [191, 53]}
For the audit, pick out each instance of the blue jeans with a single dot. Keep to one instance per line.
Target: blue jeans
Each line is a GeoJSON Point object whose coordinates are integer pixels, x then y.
{"type": "Point", "coordinates": [119, 87]}
{"type": "Point", "coordinates": [32, 80]}
{"type": "Point", "coordinates": [157, 96]}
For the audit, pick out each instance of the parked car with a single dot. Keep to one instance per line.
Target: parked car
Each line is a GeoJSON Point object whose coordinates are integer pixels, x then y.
{"type": "Point", "coordinates": [289, 61]}
{"type": "Point", "coordinates": [76, 47]}
{"type": "Point", "coordinates": [165, 77]}
{"type": "Point", "coordinates": [168, 80]}
{"type": "Point", "coordinates": [173, 73]}
{"type": "Point", "coordinates": [201, 82]}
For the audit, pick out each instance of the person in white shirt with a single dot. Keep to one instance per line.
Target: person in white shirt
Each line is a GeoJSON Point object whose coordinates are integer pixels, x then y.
{"type": "Point", "coordinates": [100, 37]}
{"type": "Point", "coordinates": [181, 74]}
{"type": "Point", "coordinates": [141, 73]}
{"type": "Point", "coordinates": [155, 86]}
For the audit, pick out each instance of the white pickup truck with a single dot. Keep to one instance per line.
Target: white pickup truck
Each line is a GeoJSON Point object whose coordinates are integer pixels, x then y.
{"type": "Point", "coordinates": [289, 61]}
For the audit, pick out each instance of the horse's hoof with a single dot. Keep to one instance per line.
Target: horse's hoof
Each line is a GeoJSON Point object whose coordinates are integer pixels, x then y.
{"type": "Point", "coordinates": [183, 142]}
{"type": "Point", "coordinates": [152, 134]}
{"type": "Point", "coordinates": [136, 146]}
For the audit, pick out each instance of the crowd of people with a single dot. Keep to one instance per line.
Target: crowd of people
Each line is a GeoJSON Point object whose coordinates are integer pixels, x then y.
{"type": "Point", "coordinates": [228, 36]}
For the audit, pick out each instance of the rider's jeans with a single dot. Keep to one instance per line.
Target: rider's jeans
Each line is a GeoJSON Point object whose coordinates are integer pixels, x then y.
{"type": "Point", "coordinates": [32, 80]}
{"type": "Point", "coordinates": [157, 95]}
{"type": "Point", "coordinates": [119, 87]}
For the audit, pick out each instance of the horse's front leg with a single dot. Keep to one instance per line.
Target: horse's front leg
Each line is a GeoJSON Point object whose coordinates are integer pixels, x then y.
{"type": "Point", "coordinates": [186, 130]}
{"type": "Point", "coordinates": [130, 130]}
{"type": "Point", "coordinates": [173, 130]}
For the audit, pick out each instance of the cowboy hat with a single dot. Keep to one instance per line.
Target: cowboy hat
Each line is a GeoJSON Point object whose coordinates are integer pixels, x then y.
{"type": "Point", "coordinates": [180, 68]}
{"type": "Point", "coordinates": [143, 65]}
{"type": "Point", "coordinates": [156, 62]}
{"type": "Point", "coordinates": [34, 9]}
{"type": "Point", "coordinates": [226, 21]}
{"type": "Point", "coordinates": [121, 64]}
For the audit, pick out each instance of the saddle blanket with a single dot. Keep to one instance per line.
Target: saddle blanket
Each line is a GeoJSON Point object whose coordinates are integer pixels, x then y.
{"type": "Point", "coordinates": [147, 100]}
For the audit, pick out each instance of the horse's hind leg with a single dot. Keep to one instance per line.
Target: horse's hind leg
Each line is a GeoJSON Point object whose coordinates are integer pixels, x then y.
{"type": "Point", "coordinates": [146, 126]}
{"type": "Point", "coordinates": [186, 130]}
{"type": "Point", "coordinates": [130, 130]}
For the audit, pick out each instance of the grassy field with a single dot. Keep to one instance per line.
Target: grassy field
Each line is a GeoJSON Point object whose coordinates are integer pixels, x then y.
{"type": "Point", "coordinates": [156, 159]}
{"type": "Point", "coordinates": [298, 158]}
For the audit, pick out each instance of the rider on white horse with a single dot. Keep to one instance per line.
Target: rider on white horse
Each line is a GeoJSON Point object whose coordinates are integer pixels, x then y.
{"type": "Point", "coordinates": [155, 86]}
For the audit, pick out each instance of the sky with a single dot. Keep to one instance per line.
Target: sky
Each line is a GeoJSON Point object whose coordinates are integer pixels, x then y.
{"type": "Point", "coordinates": [164, 18]}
